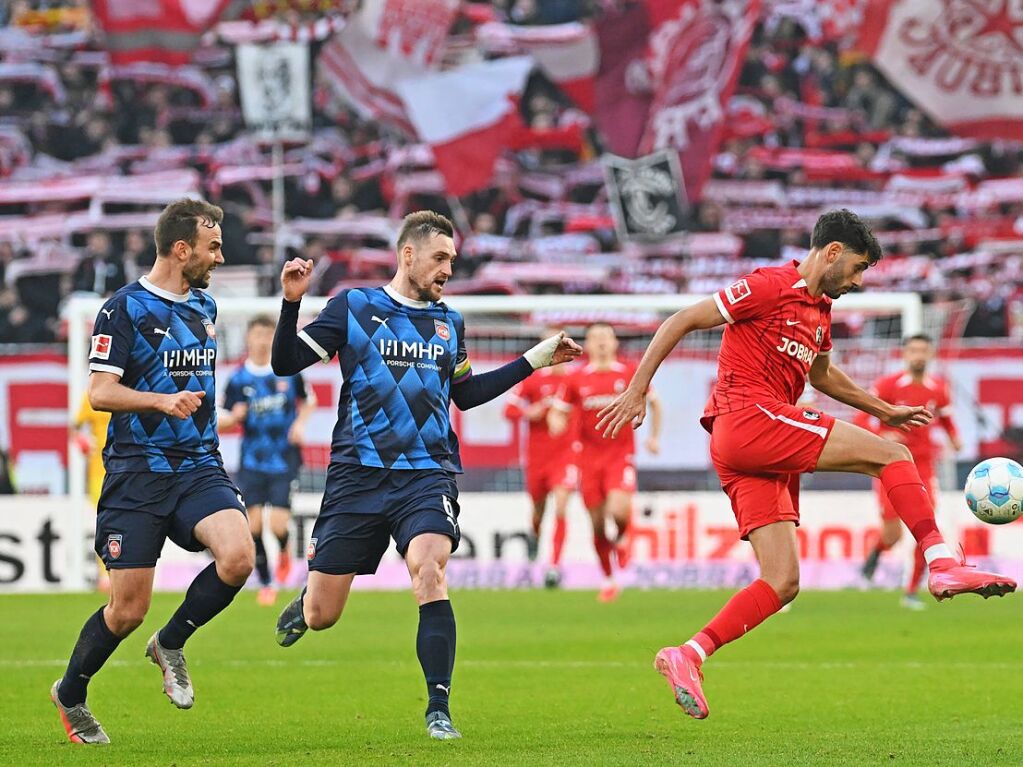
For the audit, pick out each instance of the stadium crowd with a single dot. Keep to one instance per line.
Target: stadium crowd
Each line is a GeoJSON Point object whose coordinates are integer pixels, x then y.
{"type": "Point", "coordinates": [810, 125]}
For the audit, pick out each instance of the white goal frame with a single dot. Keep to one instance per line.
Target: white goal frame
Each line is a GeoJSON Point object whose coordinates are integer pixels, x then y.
{"type": "Point", "coordinates": [81, 313]}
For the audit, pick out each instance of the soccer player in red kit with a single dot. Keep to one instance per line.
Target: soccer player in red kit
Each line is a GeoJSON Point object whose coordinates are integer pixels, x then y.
{"type": "Point", "coordinates": [778, 333]}
{"type": "Point", "coordinates": [913, 385]}
{"type": "Point", "coordinates": [551, 459]}
{"type": "Point", "coordinates": [607, 469]}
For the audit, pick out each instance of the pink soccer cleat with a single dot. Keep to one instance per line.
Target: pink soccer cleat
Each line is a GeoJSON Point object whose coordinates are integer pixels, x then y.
{"type": "Point", "coordinates": [948, 578]}
{"type": "Point", "coordinates": [685, 679]}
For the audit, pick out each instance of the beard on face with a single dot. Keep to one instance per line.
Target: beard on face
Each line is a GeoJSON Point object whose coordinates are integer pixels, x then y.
{"type": "Point", "coordinates": [196, 275]}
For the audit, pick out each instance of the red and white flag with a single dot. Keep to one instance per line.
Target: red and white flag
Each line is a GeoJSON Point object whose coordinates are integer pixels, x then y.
{"type": "Point", "coordinates": [696, 50]}
{"type": "Point", "coordinates": [567, 53]}
{"type": "Point", "coordinates": [164, 31]}
{"type": "Point", "coordinates": [467, 116]}
{"type": "Point", "coordinates": [960, 62]}
{"type": "Point", "coordinates": [384, 42]}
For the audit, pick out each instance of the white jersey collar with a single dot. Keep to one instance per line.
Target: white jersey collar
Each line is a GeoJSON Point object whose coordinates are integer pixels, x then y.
{"type": "Point", "coordinates": [404, 300]}
{"type": "Point", "coordinates": [176, 297]}
{"type": "Point", "coordinates": [258, 370]}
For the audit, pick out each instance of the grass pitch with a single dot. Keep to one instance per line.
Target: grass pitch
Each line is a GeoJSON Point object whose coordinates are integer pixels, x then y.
{"type": "Point", "coordinates": [542, 679]}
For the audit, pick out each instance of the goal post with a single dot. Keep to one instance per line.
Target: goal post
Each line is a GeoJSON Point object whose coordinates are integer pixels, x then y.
{"type": "Point", "coordinates": [498, 327]}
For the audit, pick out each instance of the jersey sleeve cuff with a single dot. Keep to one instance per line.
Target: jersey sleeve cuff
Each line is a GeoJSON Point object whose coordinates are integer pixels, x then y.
{"type": "Point", "coordinates": [320, 351]}
{"type": "Point", "coordinates": [722, 309]}
{"type": "Point", "coordinates": [95, 367]}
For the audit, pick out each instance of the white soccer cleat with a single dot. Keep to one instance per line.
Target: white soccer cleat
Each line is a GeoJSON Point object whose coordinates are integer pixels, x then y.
{"type": "Point", "coordinates": [176, 683]}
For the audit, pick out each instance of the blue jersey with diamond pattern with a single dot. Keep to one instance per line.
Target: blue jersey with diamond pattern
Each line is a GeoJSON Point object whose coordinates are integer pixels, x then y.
{"type": "Point", "coordinates": [272, 406]}
{"type": "Point", "coordinates": [159, 342]}
{"type": "Point", "coordinates": [398, 363]}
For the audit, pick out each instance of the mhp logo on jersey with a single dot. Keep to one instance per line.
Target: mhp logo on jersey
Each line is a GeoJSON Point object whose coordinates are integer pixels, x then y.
{"type": "Point", "coordinates": [737, 291]}
{"type": "Point", "coordinates": [114, 546]}
{"type": "Point", "coordinates": [101, 346]}
{"type": "Point", "coordinates": [442, 330]}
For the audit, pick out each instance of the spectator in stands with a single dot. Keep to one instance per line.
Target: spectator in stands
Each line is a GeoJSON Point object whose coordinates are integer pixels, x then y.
{"type": "Point", "coordinates": [866, 96]}
{"type": "Point", "coordinates": [99, 271]}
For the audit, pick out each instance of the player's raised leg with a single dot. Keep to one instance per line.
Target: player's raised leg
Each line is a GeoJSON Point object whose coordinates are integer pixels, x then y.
{"type": "Point", "coordinates": [850, 448]}
{"type": "Point", "coordinates": [778, 555]}
{"type": "Point", "coordinates": [318, 606]}
{"type": "Point", "coordinates": [225, 533]}
{"type": "Point", "coordinates": [426, 558]}
{"type": "Point", "coordinates": [130, 595]}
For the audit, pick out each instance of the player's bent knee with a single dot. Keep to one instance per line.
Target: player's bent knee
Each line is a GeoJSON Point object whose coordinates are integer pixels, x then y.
{"type": "Point", "coordinates": [319, 619]}
{"type": "Point", "coordinates": [787, 590]}
{"type": "Point", "coordinates": [897, 452]}
{"type": "Point", "coordinates": [235, 565]}
{"type": "Point", "coordinates": [124, 616]}
{"type": "Point", "coordinates": [429, 582]}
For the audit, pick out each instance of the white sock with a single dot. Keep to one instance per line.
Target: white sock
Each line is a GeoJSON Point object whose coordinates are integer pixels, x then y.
{"type": "Point", "coordinates": [699, 650]}
{"type": "Point", "coordinates": [938, 551]}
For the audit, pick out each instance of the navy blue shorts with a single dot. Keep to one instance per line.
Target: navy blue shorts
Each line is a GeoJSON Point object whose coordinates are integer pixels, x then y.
{"type": "Point", "coordinates": [364, 507]}
{"type": "Point", "coordinates": [138, 511]}
{"type": "Point", "coordinates": [260, 488]}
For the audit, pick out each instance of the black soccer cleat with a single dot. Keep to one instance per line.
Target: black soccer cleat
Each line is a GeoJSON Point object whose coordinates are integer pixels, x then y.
{"type": "Point", "coordinates": [291, 624]}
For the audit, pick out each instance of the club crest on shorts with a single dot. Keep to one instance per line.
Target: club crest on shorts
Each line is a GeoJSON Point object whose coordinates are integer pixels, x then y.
{"type": "Point", "coordinates": [820, 335]}
{"type": "Point", "coordinates": [114, 546]}
{"type": "Point", "coordinates": [811, 415]}
{"type": "Point", "coordinates": [310, 550]}
{"type": "Point", "coordinates": [442, 330]}
{"type": "Point", "coordinates": [210, 330]}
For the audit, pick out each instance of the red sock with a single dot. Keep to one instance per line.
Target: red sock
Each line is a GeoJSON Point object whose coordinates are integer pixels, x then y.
{"type": "Point", "coordinates": [909, 498]}
{"type": "Point", "coordinates": [603, 547]}
{"type": "Point", "coordinates": [743, 612]}
{"type": "Point", "coordinates": [560, 531]}
{"type": "Point", "coordinates": [919, 565]}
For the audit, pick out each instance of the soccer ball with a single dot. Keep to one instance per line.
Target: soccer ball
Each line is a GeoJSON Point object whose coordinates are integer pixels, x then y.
{"type": "Point", "coordinates": [994, 491]}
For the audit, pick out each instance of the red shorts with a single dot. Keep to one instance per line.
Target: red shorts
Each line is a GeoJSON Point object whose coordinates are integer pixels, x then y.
{"type": "Point", "coordinates": [927, 475]}
{"type": "Point", "coordinates": [544, 475]}
{"type": "Point", "coordinates": [603, 472]}
{"type": "Point", "coordinates": [759, 453]}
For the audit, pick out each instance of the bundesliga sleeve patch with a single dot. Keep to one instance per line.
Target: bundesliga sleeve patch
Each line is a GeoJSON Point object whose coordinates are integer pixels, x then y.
{"type": "Point", "coordinates": [737, 291]}
{"type": "Point", "coordinates": [101, 347]}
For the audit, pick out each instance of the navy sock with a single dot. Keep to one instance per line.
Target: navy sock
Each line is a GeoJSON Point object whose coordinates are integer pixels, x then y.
{"type": "Point", "coordinates": [262, 566]}
{"type": "Point", "coordinates": [95, 644]}
{"type": "Point", "coordinates": [282, 540]}
{"type": "Point", "coordinates": [206, 596]}
{"type": "Point", "coordinates": [435, 646]}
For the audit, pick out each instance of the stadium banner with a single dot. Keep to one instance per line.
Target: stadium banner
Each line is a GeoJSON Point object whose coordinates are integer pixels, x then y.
{"type": "Point", "coordinates": [962, 65]}
{"type": "Point", "coordinates": [165, 31]}
{"type": "Point", "coordinates": [986, 386]}
{"type": "Point", "coordinates": [692, 55]}
{"type": "Point", "coordinates": [680, 540]}
{"type": "Point", "coordinates": [273, 81]}
{"type": "Point", "coordinates": [645, 195]}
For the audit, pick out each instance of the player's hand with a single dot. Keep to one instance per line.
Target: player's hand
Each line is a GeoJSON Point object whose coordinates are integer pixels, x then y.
{"type": "Point", "coordinates": [629, 407]}
{"type": "Point", "coordinates": [905, 418]}
{"type": "Point", "coordinates": [553, 351]}
{"type": "Point", "coordinates": [956, 443]}
{"type": "Point", "coordinates": [536, 411]}
{"type": "Point", "coordinates": [295, 278]}
{"type": "Point", "coordinates": [182, 404]}
{"type": "Point", "coordinates": [653, 445]}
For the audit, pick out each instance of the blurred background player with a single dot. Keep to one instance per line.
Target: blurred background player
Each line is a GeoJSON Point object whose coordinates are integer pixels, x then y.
{"type": "Point", "coordinates": [272, 411]}
{"type": "Point", "coordinates": [913, 385]}
{"type": "Point", "coordinates": [607, 467]}
{"type": "Point", "coordinates": [89, 432]}
{"type": "Point", "coordinates": [551, 460]}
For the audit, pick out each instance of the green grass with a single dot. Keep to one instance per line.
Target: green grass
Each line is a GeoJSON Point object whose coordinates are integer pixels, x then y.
{"type": "Point", "coordinates": [542, 679]}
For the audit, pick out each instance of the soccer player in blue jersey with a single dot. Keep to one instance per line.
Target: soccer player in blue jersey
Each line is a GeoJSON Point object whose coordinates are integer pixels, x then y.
{"type": "Point", "coordinates": [272, 411]}
{"type": "Point", "coordinates": [394, 455]}
{"type": "Point", "coordinates": [153, 354]}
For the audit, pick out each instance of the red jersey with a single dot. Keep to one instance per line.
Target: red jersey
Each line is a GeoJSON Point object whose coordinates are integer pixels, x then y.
{"type": "Point", "coordinates": [932, 393]}
{"type": "Point", "coordinates": [588, 391]}
{"type": "Point", "coordinates": [775, 331]}
{"type": "Point", "coordinates": [541, 386]}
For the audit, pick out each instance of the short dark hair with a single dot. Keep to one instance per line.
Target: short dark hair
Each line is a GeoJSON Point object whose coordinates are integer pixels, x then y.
{"type": "Point", "coordinates": [423, 223]}
{"type": "Point", "coordinates": [846, 227]}
{"type": "Point", "coordinates": [918, 337]}
{"type": "Point", "coordinates": [261, 321]}
{"type": "Point", "coordinates": [181, 220]}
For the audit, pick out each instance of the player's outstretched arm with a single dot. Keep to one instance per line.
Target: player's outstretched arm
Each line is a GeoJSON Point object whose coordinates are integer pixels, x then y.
{"type": "Point", "coordinates": [106, 392]}
{"type": "Point", "coordinates": [831, 380]}
{"type": "Point", "coordinates": [629, 407]}
{"type": "Point", "coordinates": [477, 389]}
